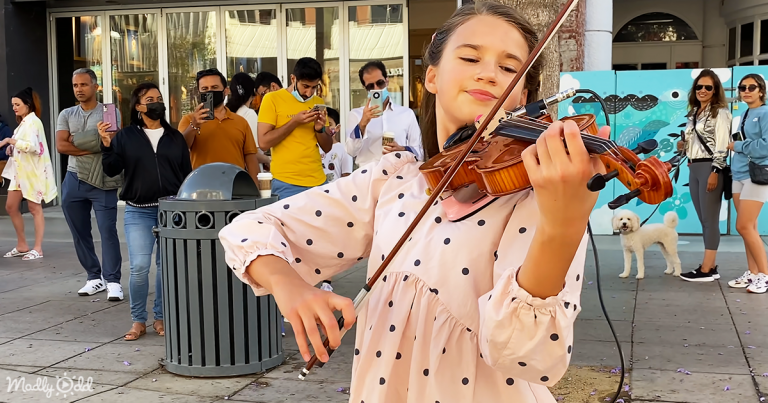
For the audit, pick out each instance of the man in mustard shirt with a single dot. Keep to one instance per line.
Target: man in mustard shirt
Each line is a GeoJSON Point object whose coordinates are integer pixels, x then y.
{"type": "Point", "coordinates": [292, 127]}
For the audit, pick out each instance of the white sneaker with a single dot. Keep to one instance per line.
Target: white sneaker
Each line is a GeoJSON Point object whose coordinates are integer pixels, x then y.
{"type": "Point", "coordinates": [114, 292]}
{"type": "Point", "coordinates": [760, 285]}
{"type": "Point", "coordinates": [326, 287]}
{"type": "Point", "coordinates": [91, 287]}
{"type": "Point", "coordinates": [744, 281]}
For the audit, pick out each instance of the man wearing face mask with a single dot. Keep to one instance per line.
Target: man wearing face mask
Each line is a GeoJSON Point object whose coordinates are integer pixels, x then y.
{"type": "Point", "coordinates": [366, 125]}
{"type": "Point", "coordinates": [291, 125]}
{"type": "Point", "coordinates": [227, 137]}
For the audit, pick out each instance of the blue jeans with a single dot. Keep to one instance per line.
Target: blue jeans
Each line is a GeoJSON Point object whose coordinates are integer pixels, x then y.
{"type": "Point", "coordinates": [286, 190]}
{"type": "Point", "coordinates": [141, 241]}
{"type": "Point", "coordinates": [77, 200]}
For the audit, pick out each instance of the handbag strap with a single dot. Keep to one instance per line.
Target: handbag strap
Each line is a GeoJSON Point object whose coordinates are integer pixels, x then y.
{"type": "Point", "coordinates": [701, 138]}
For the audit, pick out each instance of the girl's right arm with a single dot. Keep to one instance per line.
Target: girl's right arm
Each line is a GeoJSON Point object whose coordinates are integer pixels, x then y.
{"type": "Point", "coordinates": [755, 148]}
{"type": "Point", "coordinates": [290, 245]}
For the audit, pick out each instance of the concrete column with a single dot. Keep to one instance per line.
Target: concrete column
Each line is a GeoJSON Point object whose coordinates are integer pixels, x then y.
{"type": "Point", "coordinates": [714, 36]}
{"type": "Point", "coordinates": [598, 35]}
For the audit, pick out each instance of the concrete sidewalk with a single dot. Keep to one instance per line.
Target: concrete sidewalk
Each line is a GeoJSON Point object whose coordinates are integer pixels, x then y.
{"type": "Point", "coordinates": [715, 333]}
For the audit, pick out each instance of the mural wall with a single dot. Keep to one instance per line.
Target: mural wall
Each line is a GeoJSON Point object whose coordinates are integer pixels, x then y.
{"type": "Point", "coordinates": [645, 105]}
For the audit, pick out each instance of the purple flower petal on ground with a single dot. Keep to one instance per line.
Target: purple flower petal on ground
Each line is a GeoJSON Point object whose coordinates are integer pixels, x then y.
{"type": "Point", "coordinates": [626, 388]}
{"type": "Point", "coordinates": [620, 401]}
{"type": "Point", "coordinates": [738, 300]}
{"type": "Point", "coordinates": [765, 375]}
{"type": "Point", "coordinates": [340, 389]}
{"type": "Point", "coordinates": [87, 349]}
{"type": "Point", "coordinates": [95, 300]}
{"type": "Point", "coordinates": [593, 392]}
{"type": "Point", "coordinates": [126, 363]}
{"type": "Point", "coordinates": [685, 345]}
{"type": "Point", "coordinates": [687, 372]}
{"type": "Point", "coordinates": [559, 398]}
{"type": "Point", "coordinates": [727, 388]}
{"type": "Point", "coordinates": [751, 347]}
{"type": "Point", "coordinates": [747, 332]}
{"type": "Point", "coordinates": [590, 283]}
{"type": "Point", "coordinates": [680, 369]}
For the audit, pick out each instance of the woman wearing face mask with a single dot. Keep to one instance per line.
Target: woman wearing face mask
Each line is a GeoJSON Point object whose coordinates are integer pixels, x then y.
{"type": "Point", "coordinates": [242, 91]}
{"type": "Point", "coordinates": [705, 144]}
{"type": "Point", "coordinates": [155, 159]}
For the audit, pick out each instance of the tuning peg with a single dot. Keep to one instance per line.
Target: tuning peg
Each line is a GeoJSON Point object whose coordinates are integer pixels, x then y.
{"type": "Point", "coordinates": [623, 199]}
{"type": "Point", "coordinates": [675, 160]}
{"type": "Point", "coordinates": [644, 147]}
{"type": "Point", "coordinates": [597, 182]}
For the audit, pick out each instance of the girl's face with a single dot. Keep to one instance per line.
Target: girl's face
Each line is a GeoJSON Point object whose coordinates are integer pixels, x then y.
{"type": "Point", "coordinates": [752, 92]}
{"type": "Point", "coordinates": [474, 71]}
{"type": "Point", "coordinates": [705, 88]}
{"type": "Point", "coordinates": [19, 108]}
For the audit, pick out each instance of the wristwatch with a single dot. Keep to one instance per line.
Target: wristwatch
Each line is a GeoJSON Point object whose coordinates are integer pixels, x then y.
{"type": "Point", "coordinates": [321, 130]}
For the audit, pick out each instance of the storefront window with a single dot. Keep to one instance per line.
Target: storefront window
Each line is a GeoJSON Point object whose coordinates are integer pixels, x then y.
{"type": "Point", "coordinates": [315, 32]}
{"type": "Point", "coordinates": [376, 33]}
{"type": "Point", "coordinates": [191, 48]}
{"type": "Point", "coordinates": [134, 56]}
{"type": "Point", "coordinates": [251, 41]}
{"type": "Point", "coordinates": [732, 43]}
{"type": "Point", "coordinates": [653, 27]}
{"type": "Point", "coordinates": [747, 39]}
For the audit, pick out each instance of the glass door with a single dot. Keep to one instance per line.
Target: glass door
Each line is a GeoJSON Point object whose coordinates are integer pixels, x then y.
{"type": "Point", "coordinates": [252, 38]}
{"type": "Point", "coordinates": [192, 43]}
{"type": "Point", "coordinates": [134, 55]}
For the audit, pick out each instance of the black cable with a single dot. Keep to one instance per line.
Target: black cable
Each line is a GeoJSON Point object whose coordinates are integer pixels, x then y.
{"type": "Point", "coordinates": [599, 99]}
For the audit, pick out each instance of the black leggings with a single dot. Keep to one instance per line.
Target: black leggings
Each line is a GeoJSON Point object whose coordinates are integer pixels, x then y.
{"type": "Point", "coordinates": [707, 204]}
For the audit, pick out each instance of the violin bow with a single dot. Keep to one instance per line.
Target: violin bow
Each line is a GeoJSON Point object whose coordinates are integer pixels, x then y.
{"type": "Point", "coordinates": [362, 295]}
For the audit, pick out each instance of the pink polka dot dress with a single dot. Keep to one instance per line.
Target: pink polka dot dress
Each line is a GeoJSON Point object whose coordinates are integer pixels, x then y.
{"type": "Point", "coordinates": [447, 322]}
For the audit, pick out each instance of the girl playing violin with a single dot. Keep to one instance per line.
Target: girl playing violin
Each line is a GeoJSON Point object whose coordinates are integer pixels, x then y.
{"type": "Point", "coordinates": [479, 310]}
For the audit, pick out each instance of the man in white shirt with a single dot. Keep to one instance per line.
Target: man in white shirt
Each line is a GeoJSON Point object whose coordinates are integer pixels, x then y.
{"type": "Point", "coordinates": [366, 125]}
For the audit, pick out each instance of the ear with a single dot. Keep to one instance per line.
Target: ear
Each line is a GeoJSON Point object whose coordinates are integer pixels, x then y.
{"type": "Point", "coordinates": [615, 222]}
{"type": "Point", "coordinates": [524, 97]}
{"type": "Point", "coordinates": [635, 222]}
{"type": "Point", "coordinates": [430, 80]}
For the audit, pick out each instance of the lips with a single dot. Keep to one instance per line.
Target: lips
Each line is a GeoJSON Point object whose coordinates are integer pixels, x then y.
{"type": "Point", "coordinates": [482, 95]}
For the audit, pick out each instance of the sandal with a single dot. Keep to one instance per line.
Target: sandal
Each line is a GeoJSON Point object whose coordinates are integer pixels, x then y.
{"type": "Point", "coordinates": [32, 255]}
{"type": "Point", "coordinates": [137, 330]}
{"type": "Point", "coordinates": [159, 327]}
{"type": "Point", "coordinates": [15, 253]}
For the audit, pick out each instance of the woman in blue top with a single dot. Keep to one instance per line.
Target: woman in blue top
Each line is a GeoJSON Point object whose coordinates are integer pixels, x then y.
{"type": "Point", "coordinates": [749, 197]}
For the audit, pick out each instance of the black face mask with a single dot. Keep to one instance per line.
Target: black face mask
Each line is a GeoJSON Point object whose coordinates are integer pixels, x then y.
{"type": "Point", "coordinates": [155, 110]}
{"type": "Point", "coordinates": [218, 98]}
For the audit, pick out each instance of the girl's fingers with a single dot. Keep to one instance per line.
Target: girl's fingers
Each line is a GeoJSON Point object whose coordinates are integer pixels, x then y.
{"type": "Point", "coordinates": [553, 137]}
{"type": "Point", "coordinates": [328, 321]}
{"type": "Point", "coordinates": [531, 163]}
{"type": "Point", "coordinates": [542, 151]}
{"type": "Point", "coordinates": [301, 337]}
{"type": "Point", "coordinates": [308, 319]}
{"type": "Point", "coordinates": [575, 144]}
{"type": "Point", "coordinates": [347, 308]}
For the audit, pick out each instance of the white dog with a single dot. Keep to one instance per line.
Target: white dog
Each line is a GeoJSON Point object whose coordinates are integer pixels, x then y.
{"type": "Point", "coordinates": [635, 238]}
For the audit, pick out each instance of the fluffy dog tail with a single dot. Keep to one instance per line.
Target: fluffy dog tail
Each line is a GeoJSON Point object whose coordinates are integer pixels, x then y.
{"type": "Point", "coordinates": [671, 220]}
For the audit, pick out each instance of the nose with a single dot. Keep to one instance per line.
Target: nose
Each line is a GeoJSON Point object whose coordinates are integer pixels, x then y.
{"type": "Point", "coordinates": [487, 72]}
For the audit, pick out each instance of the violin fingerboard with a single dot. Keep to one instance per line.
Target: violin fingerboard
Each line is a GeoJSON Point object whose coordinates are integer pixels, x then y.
{"type": "Point", "coordinates": [524, 132]}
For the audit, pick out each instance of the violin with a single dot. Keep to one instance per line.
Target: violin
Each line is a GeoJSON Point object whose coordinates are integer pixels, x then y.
{"type": "Point", "coordinates": [495, 167]}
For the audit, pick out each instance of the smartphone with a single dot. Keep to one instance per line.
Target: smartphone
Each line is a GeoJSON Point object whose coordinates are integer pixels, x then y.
{"type": "Point", "coordinates": [206, 98]}
{"type": "Point", "coordinates": [319, 107]}
{"type": "Point", "coordinates": [376, 98]}
{"type": "Point", "coordinates": [110, 116]}
{"type": "Point", "coordinates": [738, 136]}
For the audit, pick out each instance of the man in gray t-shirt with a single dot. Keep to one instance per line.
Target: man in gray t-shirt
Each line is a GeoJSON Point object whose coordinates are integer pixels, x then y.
{"type": "Point", "coordinates": [86, 187]}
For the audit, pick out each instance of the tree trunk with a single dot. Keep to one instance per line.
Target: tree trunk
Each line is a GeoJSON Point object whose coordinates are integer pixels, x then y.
{"type": "Point", "coordinates": [541, 14]}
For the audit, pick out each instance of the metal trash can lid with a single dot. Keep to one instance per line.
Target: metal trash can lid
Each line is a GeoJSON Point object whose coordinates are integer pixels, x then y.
{"type": "Point", "coordinates": [218, 181]}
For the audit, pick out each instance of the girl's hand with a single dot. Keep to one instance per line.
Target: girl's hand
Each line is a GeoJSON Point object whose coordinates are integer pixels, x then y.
{"type": "Point", "coordinates": [106, 137]}
{"type": "Point", "coordinates": [559, 176]}
{"type": "Point", "coordinates": [730, 146]}
{"type": "Point", "coordinates": [306, 307]}
{"type": "Point", "coordinates": [712, 181]}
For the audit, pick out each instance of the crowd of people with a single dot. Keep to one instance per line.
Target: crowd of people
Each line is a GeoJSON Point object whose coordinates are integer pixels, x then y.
{"type": "Point", "coordinates": [255, 124]}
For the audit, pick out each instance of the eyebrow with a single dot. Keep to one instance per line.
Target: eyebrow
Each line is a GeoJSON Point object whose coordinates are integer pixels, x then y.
{"type": "Point", "coordinates": [478, 47]}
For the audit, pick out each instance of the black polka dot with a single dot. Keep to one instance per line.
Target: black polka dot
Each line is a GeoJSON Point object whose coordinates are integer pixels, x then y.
{"type": "Point", "coordinates": [360, 258]}
{"type": "Point", "coordinates": [481, 223]}
{"type": "Point", "coordinates": [405, 278]}
{"type": "Point", "coordinates": [340, 255]}
{"type": "Point", "coordinates": [465, 271]}
{"type": "Point", "coordinates": [398, 356]}
{"type": "Point", "coordinates": [469, 330]}
{"type": "Point", "coordinates": [390, 304]}
{"type": "Point", "coordinates": [490, 296]}
{"type": "Point", "coordinates": [244, 240]}
{"type": "Point", "coordinates": [574, 307]}
{"type": "Point", "coordinates": [447, 241]}
{"type": "Point", "coordinates": [434, 290]}
{"type": "Point", "coordinates": [438, 220]}
{"type": "Point", "coordinates": [399, 177]}
{"type": "Point", "coordinates": [284, 245]}
{"type": "Point", "coordinates": [357, 352]}
{"type": "Point", "coordinates": [318, 213]}
{"type": "Point", "coordinates": [522, 364]}
{"type": "Point", "coordinates": [286, 206]}
{"type": "Point", "coordinates": [385, 278]}
{"type": "Point", "coordinates": [495, 255]}
{"type": "Point", "coordinates": [397, 155]}
{"type": "Point", "coordinates": [259, 222]}
{"type": "Point", "coordinates": [567, 304]}
{"type": "Point", "coordinates": [554, 337]}
{"type": "Point", "coordinates": [443, 350]}
{"type": "Point", "coordinates": [465, 381]}
{"type": "Point", "coordinates": [522, 230]}
{"type": "Point", "coordinates": [510, 381]}
{"type": "Point", "coordinates": [426, 372]}
{"type": "Point", "coordinates": [384, 171]}
{"type": "Point", "coordinates": [544, 378]}
{"type": "Point", "coordinates": [382, 381]}
{"type": "Point", "coordinates": [391, 328]}
{"type": "Point", "coordinates": [435, 203]}
{"type": "Point", "coordinates": [364, 171]}
{"type": "Point", "coordinates": [481, 355]}
{"type": "Point", "coordinates": [378, 354]}
{"type": "Point", "coordinates": [327, 191]}
{"type": "Point", "coordinates": [569, 349]}
{"type": "Point", "coordinates": [382, 257]}
{"type": "Point", "coordinates": [578, 277]}
{"type": "Point", "coordinates": [417, 262]}
{"type": "Point", "coordinates": [309, 242]}
{"type": "Point", "coordinates": [350, 224]}
{"type": "Point", "coordinates": [298, 260]}
{"type": "Point", "coordinates": [401, 195]}
{"type": "Point", "coordinates": [354, 198]}
{"type": "Point", "coordinates": [401, 214]}
{"type": "Point", "coordinates": [317, 271]}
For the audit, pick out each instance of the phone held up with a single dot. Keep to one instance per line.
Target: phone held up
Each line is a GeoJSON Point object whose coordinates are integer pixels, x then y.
{"type": "Point", "coordinates": [110, 116]}
{"type": "Point", "coordinates": [376, 98]}
{"type": "Point", "coordinates": [206, 98]}
{"type": "Point", "coordinates": [318, 108]}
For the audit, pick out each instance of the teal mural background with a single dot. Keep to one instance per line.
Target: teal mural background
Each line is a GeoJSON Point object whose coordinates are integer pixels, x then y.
{"type": "Point", "coordinates": [652, 105]}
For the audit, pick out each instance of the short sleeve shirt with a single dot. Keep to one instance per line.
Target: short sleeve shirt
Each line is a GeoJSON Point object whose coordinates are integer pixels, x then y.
{"type": "Point", "coordinates": [76, 120]}
{"type": "Point", "coordinates": [228, 140]}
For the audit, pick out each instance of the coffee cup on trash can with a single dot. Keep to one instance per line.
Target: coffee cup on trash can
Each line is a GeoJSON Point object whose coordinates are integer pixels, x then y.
{"type": "Point", "coordinates": [265, 184]}
{"type": "Point", "coordinates": [387, 139]}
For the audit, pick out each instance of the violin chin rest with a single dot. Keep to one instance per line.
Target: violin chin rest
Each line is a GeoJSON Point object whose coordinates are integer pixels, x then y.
{"type": "Point", "coordinates": [460, 136]}
{"type": "Point", "coordinates": [465, 203]}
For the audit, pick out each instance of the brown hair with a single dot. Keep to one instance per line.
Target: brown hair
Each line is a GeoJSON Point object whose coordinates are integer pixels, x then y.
{"type": "Point", "coordinates": [434, 52]}
{"type": "Point", "coordinates": [760, 85]}
{"type": "Point", "coordinates": [30, 98]}
{"type": "Point", "coordinates": [718, 94]}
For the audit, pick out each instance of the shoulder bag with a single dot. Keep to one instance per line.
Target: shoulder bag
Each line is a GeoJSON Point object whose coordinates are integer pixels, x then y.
{"type": "Point", "coordinates": [727, 175]}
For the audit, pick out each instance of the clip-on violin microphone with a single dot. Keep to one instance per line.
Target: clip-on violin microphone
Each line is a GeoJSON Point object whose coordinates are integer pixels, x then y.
{"type": "Point", "coordinates": [467, 201]}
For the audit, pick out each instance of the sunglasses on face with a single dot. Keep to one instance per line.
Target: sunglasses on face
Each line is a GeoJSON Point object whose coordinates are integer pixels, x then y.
{"type": "Point", "coordinates": [709, 88]}
{"type": "Point", "coordinates": [747, 88]}
{"type": "Point", "coordinates": [380, 84]}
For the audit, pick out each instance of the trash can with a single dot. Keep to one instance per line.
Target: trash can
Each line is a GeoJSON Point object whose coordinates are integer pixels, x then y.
{"type": "Point", "coordinates": [214, 324]}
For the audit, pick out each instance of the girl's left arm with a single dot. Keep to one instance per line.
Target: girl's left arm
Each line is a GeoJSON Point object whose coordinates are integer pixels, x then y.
{"type": "Point", "coordinates": [523, 336]}
{"type": "Point", "coordinates": [722, 138]}
{"type": "Point", "coordinates": [29, 140]}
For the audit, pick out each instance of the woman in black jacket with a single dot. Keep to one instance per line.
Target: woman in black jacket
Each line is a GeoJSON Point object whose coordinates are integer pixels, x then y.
{"type": "Point", "coordinates": [155, 159]}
